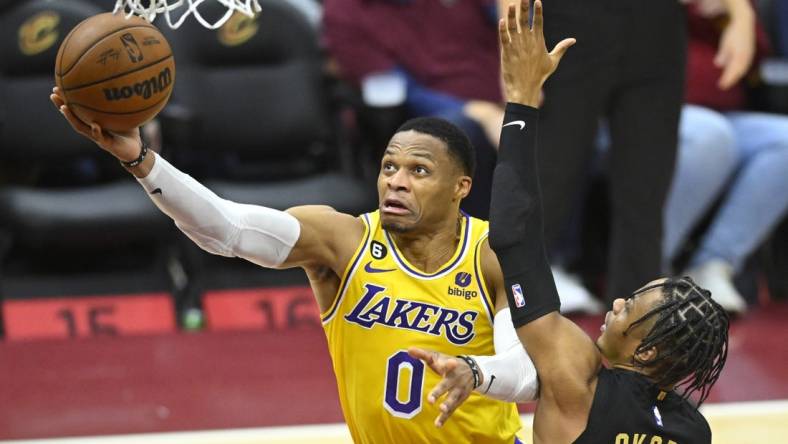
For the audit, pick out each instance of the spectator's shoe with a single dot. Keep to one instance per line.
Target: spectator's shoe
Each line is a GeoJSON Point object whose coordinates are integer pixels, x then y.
{"type": "Point", "coordinates": [717, 277]}
{"type": "Point", "coordinates": [574, 297]}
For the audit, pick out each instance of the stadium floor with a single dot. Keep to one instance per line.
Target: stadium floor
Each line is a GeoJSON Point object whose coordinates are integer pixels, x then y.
{"type": "Point", "coordinates": [732, 423]}
{"type": "Point", "coordinates": [246, 386]}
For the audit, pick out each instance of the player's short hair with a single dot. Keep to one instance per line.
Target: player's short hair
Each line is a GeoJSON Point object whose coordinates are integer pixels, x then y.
{"type": "Point", "coordinates": [460, 147]}
{"type": "Point", "coordinates": [690, 334]}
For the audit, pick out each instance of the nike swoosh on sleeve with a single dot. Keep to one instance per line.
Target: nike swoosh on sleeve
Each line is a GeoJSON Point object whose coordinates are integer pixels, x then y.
{"type": "Point", "coordinates": [520, 123]}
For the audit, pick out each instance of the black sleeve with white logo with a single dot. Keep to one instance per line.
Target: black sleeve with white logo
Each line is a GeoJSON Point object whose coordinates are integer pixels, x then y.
{"type": "Point", "coordinates": [516, 222]}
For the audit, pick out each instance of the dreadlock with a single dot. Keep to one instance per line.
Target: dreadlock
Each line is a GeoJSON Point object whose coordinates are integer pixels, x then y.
{"type": "Point", "coordinates": [691, 337]}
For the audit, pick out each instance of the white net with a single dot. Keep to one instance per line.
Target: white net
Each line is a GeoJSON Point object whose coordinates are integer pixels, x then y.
{"type": "Point", "coordinates": [149, 9]}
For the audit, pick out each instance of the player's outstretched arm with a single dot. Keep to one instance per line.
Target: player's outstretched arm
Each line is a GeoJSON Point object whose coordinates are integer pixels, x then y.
{"type": "Point", "coordinates": [303, 236]}
{"type": "Point", "coordinates": [565, 358]}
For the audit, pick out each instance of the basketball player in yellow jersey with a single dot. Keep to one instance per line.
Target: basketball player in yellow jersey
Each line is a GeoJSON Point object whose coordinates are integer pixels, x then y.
{"type": "Point", "coordinates": [417, 272]}
{"type": "Point", "coordinates": [387, 303]}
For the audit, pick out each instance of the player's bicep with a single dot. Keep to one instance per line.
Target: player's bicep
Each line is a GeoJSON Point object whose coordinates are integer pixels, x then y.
{"type": "Point", "coordinates": [324, 233]}
{"type": "Point", "coordinates": [493, 277]}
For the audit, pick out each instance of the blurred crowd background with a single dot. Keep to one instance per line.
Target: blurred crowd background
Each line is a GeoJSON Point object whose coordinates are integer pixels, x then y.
{"type": "Point", "coordinates": [296, 106]}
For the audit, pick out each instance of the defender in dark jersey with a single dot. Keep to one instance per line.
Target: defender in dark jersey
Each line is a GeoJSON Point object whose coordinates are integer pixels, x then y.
{"type": "Point", "coordinates": [668, 334]}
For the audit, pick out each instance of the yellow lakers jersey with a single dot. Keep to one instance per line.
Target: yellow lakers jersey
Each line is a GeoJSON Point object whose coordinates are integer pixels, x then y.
{"type": "Point", "coordinates": [385, 305]}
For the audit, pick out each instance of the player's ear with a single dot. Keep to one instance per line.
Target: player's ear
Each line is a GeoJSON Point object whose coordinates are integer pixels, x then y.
{"type": "Point", "coordinates": [462, 187]}
{"type": "Point", "coordinates": [647, 355]}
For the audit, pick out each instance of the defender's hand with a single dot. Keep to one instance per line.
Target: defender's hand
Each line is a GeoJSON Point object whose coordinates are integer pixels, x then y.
{"type": "Point", "coordinates": [125, 146]}
{"type": "Point", "coordinates": [525, 62]}
{"type": "Point", "coordinates": [457, 381]}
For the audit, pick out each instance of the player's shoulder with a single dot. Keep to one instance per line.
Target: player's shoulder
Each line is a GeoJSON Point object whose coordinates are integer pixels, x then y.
{"type": "Point", "coordinates": [700, 429]}
{"type": "Point", "coordinates": [329, 223]}
{"type": "Point", "coordinates": [324, 213]}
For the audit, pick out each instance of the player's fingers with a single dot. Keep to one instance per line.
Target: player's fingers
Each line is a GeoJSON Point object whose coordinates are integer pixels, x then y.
{"type": "Point", "coordinates": [439, 390]}
{"type": "Point", "coordinates": [448, 406]}
{"type": "Point", "coordinates": [441, 419]}
{"type": "Point", "coordinates": [431, 358]}
{"type": "Point", "coordinates": [560, 49]}
{"type": "Point", "coordinates": [452, 400]}
{"type": "Point", "coordinates": [511, 20]}
{"type": "Point", "coordinates": [503, 35]}
{"type": "Point", "coordinates": [525, 8]}
{"type": "Point", "coordinates": [420, 353]}
{"type": "Point", "coordinates": [57, 100]}
{"type": "Point", "coordinates": [538, 28]}
{"type": "Point", "coordinates": [56, 91]}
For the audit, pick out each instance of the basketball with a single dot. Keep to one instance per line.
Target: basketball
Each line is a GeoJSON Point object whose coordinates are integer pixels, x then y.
{"type": "Point", "coordinates": [115, 71]}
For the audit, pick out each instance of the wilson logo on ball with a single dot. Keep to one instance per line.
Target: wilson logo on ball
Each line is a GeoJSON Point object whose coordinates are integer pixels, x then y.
{"type": "Point", "coordinates": [144, 89]}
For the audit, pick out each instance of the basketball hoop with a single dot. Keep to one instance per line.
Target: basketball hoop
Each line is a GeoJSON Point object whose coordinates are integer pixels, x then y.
{"type": "Point", "coordinates": [156, 7]}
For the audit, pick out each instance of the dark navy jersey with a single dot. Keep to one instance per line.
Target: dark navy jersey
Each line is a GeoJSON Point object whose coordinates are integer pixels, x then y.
{"type": "Point", "coordinates": [626, 410]}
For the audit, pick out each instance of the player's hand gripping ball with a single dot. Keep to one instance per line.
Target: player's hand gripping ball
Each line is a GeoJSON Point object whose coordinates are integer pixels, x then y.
{"type": "Point", "coordinates": [114, 71]}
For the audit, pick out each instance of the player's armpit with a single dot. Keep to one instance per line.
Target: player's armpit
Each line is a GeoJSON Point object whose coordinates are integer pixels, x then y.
{"type": "Point", "coordinates": [328, 238]}
{"type": "Point", "coordinates": [565, 356]}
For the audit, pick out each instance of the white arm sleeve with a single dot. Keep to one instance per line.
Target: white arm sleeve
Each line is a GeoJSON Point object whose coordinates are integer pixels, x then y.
{"type": "Point", "coordinates": [258, 234]}
{"type": "Point", "coordinates": [510, 375]}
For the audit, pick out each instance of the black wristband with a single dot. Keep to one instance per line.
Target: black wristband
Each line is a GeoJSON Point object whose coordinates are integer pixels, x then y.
{"type": "Point", "coordinates": [474, 369]}
{"type": "Point", "coordinates": [139, 159]}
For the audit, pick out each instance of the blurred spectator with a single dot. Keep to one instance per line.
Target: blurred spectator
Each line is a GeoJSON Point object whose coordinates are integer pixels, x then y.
{"type": "Point", "coordinates": [781, 9]}
{"type": "Point", "coordinates": [628, 67]}
{"type": "Point", "coordinates": [438, 58]}
{"type": "Point", "coordinates": [740, 155]}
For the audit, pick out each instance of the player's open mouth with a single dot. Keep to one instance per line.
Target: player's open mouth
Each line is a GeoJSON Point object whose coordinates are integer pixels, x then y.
{"type": "Point", "coordinates": [394, 206]}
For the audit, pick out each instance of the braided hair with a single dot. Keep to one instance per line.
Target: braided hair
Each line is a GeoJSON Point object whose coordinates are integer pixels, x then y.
{"type": "Point", "coordinates": [691, 337]}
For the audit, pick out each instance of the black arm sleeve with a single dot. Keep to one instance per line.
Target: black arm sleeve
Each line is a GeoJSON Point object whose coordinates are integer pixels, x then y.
{"type": "Point", "coordinates": [516, 222]}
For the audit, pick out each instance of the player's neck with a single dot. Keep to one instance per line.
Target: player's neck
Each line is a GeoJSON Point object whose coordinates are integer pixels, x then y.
{"type": "Point", "coordinates": [634, 368]}
{"type": "Point", "coordinates": [430, 248]}
{"type": "Point", "coordinates": [643, 371]}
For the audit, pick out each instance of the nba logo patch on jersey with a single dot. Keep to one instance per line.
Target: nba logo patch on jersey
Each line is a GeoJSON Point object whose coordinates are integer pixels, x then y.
{"type": "Point", "coordinates": [657, 417]}
{"type": "Point", "coordinates": [519, 299]}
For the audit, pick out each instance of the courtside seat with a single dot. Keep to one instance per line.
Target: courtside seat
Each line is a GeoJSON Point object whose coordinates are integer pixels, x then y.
{"type": "Point", "coordinates": [99, 215]}
{"type": "Point", "coordinates": [259, 127]}
{"type": "Point", "coordinates": [58, 190]}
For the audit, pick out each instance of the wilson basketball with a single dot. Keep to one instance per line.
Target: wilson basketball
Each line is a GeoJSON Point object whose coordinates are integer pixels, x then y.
{"type": "Point", "coordinates": [115, 71]}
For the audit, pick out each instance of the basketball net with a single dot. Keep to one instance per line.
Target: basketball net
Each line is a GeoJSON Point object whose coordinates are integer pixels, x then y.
{"type": "Point", "coordinates": [149, 9]}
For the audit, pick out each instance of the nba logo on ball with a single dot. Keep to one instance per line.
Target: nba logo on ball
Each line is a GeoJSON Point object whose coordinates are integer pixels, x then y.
{"type": "Point", "coordinates": [519, 299]}
{"type": "Point", "coordinates": [132, 48]}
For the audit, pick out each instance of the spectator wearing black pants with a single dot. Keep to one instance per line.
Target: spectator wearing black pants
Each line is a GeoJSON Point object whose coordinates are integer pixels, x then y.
{"type": "Point", "coordinates": [628, 67]}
